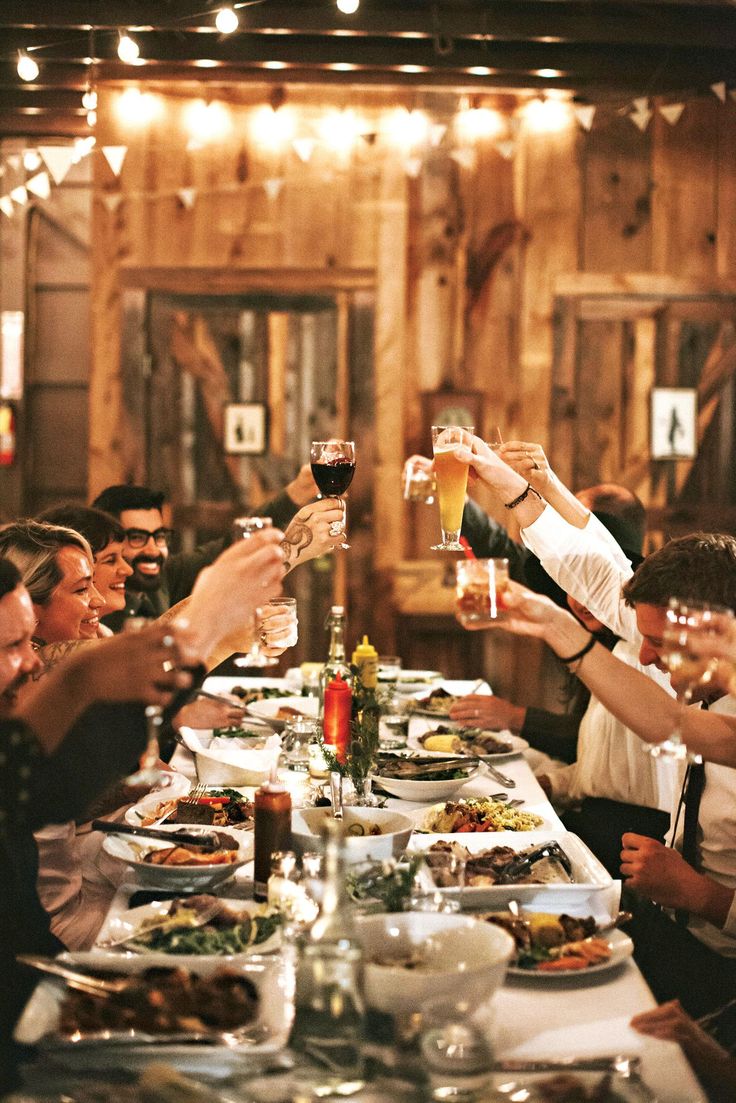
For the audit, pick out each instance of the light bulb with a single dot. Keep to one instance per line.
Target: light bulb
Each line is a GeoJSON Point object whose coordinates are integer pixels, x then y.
{"type": "Point", "coordinates": [128, 49]}
{"type": "Point", "coordinates": [27, 67]}
{"type": "Point", "coordinates": [91, 118]}
{"type": "Point", "coordinates": [89, 100]}
{"type": "Point", "coordinates": [226, 20]}
{"type": "Point", "coordinates": [31, 160]}
{"type": "Point", "coordinates": [348, 7]}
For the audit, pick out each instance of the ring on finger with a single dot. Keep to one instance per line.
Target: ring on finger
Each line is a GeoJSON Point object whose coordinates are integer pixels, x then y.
{"type": "Point", "coordinates": [168, 666]}
{"type": "Point", "coordinates": [335, 528]}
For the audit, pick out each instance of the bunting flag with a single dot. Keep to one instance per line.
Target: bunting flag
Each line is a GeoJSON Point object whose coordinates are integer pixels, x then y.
{"type": "Point", "coordinates": [187, 196]}
{"type": "Point", "coordinates": [585, 113]}
{"type": "Point", "coordinates": [112, 201]}
{"type": "Point", "coordinates": [641, 118]}
{"type": "Point", "coordinates": [273, 186]}
{"type": "Point", "coordinates": [436, 134]}
{"type": "Point", "coordinates": [19, 196]}
{"type": "Point", "coordinates": [6, 206]}
{"type": "Point", "coordinates": [58, 160]}
{"type": "Point", "coordinates": [672, 112]}
{"type": "Point", "coordinates": [369, 137]}
{"type": "Point", "coordinates": [304, 148]}
{"type": "Point", "coordinates": [719, 89]}
{"type": "Point", "coordinates": [507, 149]}
{"type": "Point", "coordinates": [40, 185]}
{"type": "Point", "coordinates": [412, 167]}
{"type": "Point", "coordinates": [14, 161]}
{"type": "Point", "coordinates": [115, 155]}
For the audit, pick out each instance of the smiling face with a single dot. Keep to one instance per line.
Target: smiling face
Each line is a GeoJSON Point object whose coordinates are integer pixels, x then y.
{"type": "Point", "coordinates": [18, 660]}
{"type": "Point", "coordinates": [73, 610]}
{"type": "Point", "coordinates": [147, 561]}
{"type": "Point", "coordinates": [651, 621]}
{"type": "Point", "coordinates": [585, 617]}
{"type": "Point", "coordinates": [111, 571]}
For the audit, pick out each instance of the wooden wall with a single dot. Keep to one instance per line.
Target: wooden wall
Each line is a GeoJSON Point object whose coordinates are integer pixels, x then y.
{"type": "Point", "coordinates": [607, 203]}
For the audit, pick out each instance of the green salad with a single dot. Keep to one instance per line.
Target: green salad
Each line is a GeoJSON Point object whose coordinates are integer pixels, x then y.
{"type": "Point", "coordinates": [215, 937]}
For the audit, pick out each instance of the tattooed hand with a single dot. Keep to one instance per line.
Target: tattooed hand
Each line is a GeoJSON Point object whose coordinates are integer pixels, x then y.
{"type": "Point", "coordinates": [308, 535]}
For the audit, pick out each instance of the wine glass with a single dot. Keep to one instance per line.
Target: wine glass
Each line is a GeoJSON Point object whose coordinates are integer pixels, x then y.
{"type": "Point", "coordinates": [243, 529]}
{"type": "Point", "coordinates": [452, 481]}
{"type": "Point", "coordinates": [333, 467]}
{"type": "Point", "coordinates": [150, 772]}
{"type": "Point", "coordinates": [688, 670]}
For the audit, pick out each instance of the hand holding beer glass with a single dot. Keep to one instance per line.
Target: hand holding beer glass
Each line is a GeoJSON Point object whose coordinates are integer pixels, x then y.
{"type": "Point", "coordinates": [480, 585]}
{"type": "Point", "coordinates": [452, 481]}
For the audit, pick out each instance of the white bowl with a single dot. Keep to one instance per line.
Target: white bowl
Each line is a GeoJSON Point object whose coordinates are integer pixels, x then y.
{"type": "Point", "coordinates": [266, 710]}
{"type": "Point", "coordinates": [130, 849]}
{"type": "Point", "coordinates": [458, 953]}
{"type": "Point", "coordinates": [395, 832]}
{"type": "Point", "coordinates": [421, 790]}
{"type": "Point", "coordinates": [230, 760]}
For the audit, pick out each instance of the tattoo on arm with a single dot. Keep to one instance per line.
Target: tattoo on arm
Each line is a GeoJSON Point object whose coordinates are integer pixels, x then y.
{"type": "Point", "coordinates": [53, 653]}
{"type": "Point", "coordinates": [298, 537]}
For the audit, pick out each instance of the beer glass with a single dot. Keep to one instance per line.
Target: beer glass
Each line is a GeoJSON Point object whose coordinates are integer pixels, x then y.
{"type": "Point", "coordinates": [452, 481]}
{"type": "Point", "coordinates": [479, 588]}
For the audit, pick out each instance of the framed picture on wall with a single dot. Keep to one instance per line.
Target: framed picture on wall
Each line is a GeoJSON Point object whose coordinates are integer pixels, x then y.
{"type": "Point", "coordinates": [447, 406]}
{"type": "Point", "coordinates": [246, 425]}
{"type": "Point", "coordinates": [674, 433]}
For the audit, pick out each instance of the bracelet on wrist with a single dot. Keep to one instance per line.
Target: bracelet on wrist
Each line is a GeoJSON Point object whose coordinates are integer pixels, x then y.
{"type": "Point", "coordinates": [522, 497]}
{"type": "Point", "coordinates": [581, 653]}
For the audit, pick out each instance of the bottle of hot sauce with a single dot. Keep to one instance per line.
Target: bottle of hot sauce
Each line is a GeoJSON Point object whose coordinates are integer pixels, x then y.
{"type": "Point", "coordinates": [336, 721]}
{"type": "Point", "coordinates": [272, 830]}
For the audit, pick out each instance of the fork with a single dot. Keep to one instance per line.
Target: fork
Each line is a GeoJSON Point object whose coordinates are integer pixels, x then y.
{"type": "Point", "coordinates": [199, 790]}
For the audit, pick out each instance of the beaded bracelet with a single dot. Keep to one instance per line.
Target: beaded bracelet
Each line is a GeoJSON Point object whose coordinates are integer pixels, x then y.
{"type": "Point", "coordinates": [581, 653]}
{"type": "Point", "coordinates": [522, 497]}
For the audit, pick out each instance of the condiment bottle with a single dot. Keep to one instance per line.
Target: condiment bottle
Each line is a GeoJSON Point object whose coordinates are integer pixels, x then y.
{"type": "Point", "coordinates": [272, 830]}
{"type": "Point", "coordinates": [366, 709]}
{"type": "Point", "coordinates": [365, 658]}
{"type": "Point", "coordinates": [336, 661]}
{"type": "Point", "coordinates": [336, 720]}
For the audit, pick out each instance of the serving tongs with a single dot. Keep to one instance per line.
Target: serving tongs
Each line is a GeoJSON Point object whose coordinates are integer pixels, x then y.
{"type": "Point", "coordinates": [427, 767]}
{"type": "Point", "coordinates": [174, 838]}
{"type": "Point", "coordinates": [523, 864]}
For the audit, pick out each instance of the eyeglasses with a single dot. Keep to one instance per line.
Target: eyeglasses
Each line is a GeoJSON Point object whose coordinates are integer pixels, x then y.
{"type": "Point", "coordinates": [138, 538]}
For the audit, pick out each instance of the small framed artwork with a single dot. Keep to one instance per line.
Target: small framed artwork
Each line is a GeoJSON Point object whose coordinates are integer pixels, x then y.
{"type": "Point", "coordinates": [674, 423]}
{"type": "Point", "coordinates": [246, 428]}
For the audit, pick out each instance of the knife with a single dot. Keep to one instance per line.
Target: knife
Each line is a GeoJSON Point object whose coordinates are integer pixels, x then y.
{"type": "Point", "coordinates": [612, 1063]}
{"type": "Point", "coordinates": [204, 842]}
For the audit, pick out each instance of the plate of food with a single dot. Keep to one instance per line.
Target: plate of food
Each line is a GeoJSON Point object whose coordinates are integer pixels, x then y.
{"type": "Point", "coordinates": [191, 927]}
{"type": "Point", "coordinates": [552, 946]}
{"type": "Point", "coordinates": [411, 677]}
{"type": "Point", "coordinates": [437, 703]}
{"type": "Point", "coordinates": [477, 814]}
{"type": "Point", "coordinates": [248, 689]}
{"type": "Point", "coordinates": [219, 807]}
{"type": "Point", "coordinates": [179, 867]}
{"type": "Point", "coordinates": [277, 712]}
{"type": "Point", "coordinates": [450, 739]}
{"type": "Point", "coordinates": [422, 778]}
{"type": "Point", "coordinates": [559, 869]}
{"type": "Point", "coordinates": [244, 1007]}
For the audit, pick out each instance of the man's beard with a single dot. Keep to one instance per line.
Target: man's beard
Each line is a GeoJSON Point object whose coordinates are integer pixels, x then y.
{"type": "Point", "coordinates": [145, 582]}
{"type": "Point", "coordinates": [8, 697]}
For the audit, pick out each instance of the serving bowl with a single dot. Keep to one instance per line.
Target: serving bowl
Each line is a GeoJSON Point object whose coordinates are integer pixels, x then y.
{"type": "Point", "coordinates": [177, 878]}
{"type": "Point", "coordinates": [423, 789]}
{"type": "Point", "coordinates": [395, 828]}
{"type": "Point", "coordinates": [232, 760]}
{"type": "Point", "coordinates": [451, 951]}
{"type": "Point", "coordinates": [267, 710]}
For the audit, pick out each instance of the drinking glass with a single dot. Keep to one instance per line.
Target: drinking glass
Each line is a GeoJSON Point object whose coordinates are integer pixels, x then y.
{"type": "Point", "coordinates": [333, 467]}
{"type": "Point", "coordinates": [688, 669]}
{"type": "Point", "coordinates": [277, 626]}
{"type": "Point", "coordinates": [298, 736]}
{"type": "Point", "coordinates": [479, 588]}
{"type": "Point", "coordinates": [418, 484]}
{"type": "Point", "coordinates": [150, 772]}
{"type": "Point", "coordinates": [455, 1047]}
{"type": "Point", "coordinates": [452, 481]}
{"type": "Point", "coordinates": [243, 529]}
{"type": "Point", "coordinates": [394, 722]}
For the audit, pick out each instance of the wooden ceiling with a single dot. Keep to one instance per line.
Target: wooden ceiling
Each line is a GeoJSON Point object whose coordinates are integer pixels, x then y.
{"type": "Point", "coordinates": [598, 49]}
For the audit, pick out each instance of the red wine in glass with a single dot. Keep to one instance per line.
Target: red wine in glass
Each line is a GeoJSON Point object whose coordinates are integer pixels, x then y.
{"type": "Point", "coordinates": [333, 477]}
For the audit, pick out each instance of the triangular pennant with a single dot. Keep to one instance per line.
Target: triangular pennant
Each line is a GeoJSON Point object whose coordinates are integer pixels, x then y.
{"type": "Point", "coordinates": [641, 119]}
{"type": "Point", "coordinates": [507, 149]}
{"type": "Point", "coordinates": [304, 148]}
{"type": "Point", "coordinates": [369, 137]}
{"type": "Point", "coordinates": [465, 158]}
{"type": "Point", "coordinates": [672, 112]}
{"type": "Point", "coordinates": [6, 206]}
{"type": "Point", "coordinates": [187, 197]}
{"type": "Point", "coordinates": [585, 113]}
{"type": "Point", "coordinates": [273, 186]}
{"type": "Point", "coordinates": [39, 185]}
{"type": "Point", "coordinates": [412, 167]}
{"type": "Point", "coordinates": [115, 155]}
{"type": "Point", "coordinates": [112, 201]}
{"type": "Point", "coordinates": [641, 104]}
{"type": "Point", "coordinates": [58, 160]}
{"type": "Point", "coordinates": [19, 196]}
{"type": "Point", "coordinates": [14, 162]}
{"type": "Point", "coordinates": [436, 134]}
{"type": "Point", "coordinates": [719, 89]}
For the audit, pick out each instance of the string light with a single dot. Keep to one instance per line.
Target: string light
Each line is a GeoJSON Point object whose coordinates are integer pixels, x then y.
{"type": "Point", "coordinates": [479, 122]}
{"type": "Point", "coordinates": [31, 160]}
{"type": "Point", "coordinates": [227, 21]}
{"type": "Point", "coordinates": [27, 66]}
{"type": "Point", "coordinates": [348, 7]}
{"type": "Point", "coordinates": [340, 130]}
{"type": "Point", "coordinates": [128, 49]}
{"type": "Point", "coordinates": [547, 115]}
{"type": "Point", "coordinates": [407, 128]}
{"type": "Point", "coordinates": [89, 100]}
{"type": "Point", "coordinates": [207, 122]}
{"type": "Point", "coordinates": [272, 127]}
{"type": "Point", "coordinates": [136, 108]}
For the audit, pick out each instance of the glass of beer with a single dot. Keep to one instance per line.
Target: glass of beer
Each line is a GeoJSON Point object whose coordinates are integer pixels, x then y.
{"type": "Point", "coordinates": [452, 481]}
{"type": "Point", "coordinates": [479, 588]}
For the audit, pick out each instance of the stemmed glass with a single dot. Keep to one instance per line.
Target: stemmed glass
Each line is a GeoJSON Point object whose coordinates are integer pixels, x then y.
{"type": "Point", "coordinates": [150, 773]}
{"type": "Point", "coordinates": [243, 528]}
{"type": "Point", "coordinates": [688, 669]}
{"type": "Point", "coordinates": [333, 467]}
{"type": "Point", "coordinates": [452, 481]}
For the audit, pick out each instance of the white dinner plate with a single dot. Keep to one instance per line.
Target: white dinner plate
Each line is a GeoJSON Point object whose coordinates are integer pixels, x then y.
{"type": "Point", "coordinates": [518, 745]}
{"type": "Point", "coordinates": [412, 677]}
{"type": "Point", "coordinates": [621, 948]}
{"type": "Point", "coordinates": [266, 710]}
{"type": "Point", "coordinates": [147, 805]}
{"type": "Point", "coordinates": [183, 878]}
{"type": "Point", "coordinates": [128, 923]}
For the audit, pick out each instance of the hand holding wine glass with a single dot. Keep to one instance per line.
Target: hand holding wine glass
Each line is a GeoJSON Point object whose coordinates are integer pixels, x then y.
{"type": "Point", "coordinates": [333, 467]}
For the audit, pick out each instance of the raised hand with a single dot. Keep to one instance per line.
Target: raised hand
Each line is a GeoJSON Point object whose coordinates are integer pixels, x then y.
{"type": "Point", "coordinates": [302, 488]}
{"type": "Point", "coordinates": [313, 532]}
{"type": "Point", "coordinates": [530, 461]}
{"type": "Point", "coordinates": [483, 710]}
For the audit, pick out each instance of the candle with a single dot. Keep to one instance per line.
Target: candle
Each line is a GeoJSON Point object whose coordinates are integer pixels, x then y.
{"type": "Point", "coordinates": [336, 723]}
